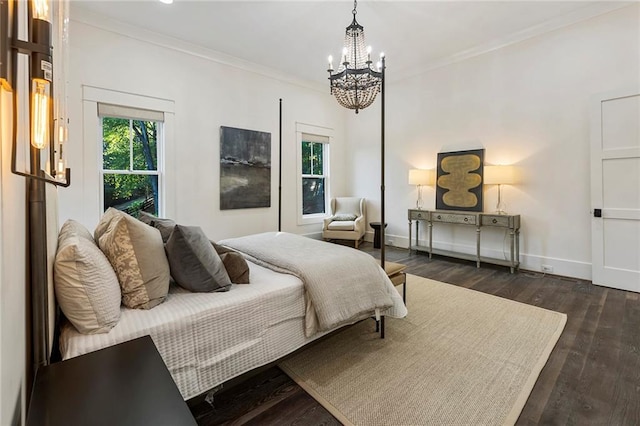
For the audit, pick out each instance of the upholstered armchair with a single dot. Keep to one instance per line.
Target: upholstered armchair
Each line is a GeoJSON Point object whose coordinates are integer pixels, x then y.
{"type": "Point", "coordinates": [347, 221]}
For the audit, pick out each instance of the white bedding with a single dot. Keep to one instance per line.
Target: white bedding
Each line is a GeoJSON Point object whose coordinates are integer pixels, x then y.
{"type": "Point", "coordinates": [208, 338]}
{"type": "Point", "coordinates": [342, 285]}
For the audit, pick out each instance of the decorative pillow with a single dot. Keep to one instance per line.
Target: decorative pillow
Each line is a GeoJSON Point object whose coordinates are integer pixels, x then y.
{"type": "Point", "coordinates": [165, 226]}
{"type": "Point", "coordinates": [344, 217]}
{"type": "Point", "coordinates": [234, 263]}
{"type": "Point", "coordinates": [106, 219]}
{"type": "Point", "coordinates": [86, 286]}
{"type": "Point", "coordinates": [71, 227]}
{"type": "Point", "coordinates": [136, 253]}
{"type": "Point", "coordinates": [195, 265]}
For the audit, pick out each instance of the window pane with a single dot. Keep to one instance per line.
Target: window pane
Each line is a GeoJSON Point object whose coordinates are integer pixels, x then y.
{"type": "Point", "coordinates": [145, 151]}
{"type": "Point", "coordinates": [131, 193]}
{"type": "Point", "coordinates": [312, 195]}
{"type": "Point", "coordinates": [317, 163]}
{"type": "Point", "coordinates": [306, 158]}
{"type": "Point", "coordinates": [115, 143]}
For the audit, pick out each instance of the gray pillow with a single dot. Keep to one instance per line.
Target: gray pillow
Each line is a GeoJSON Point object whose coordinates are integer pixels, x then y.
{"type": "Point", "coordinates": [165, 226]}
{"type": "Point", "coordinates": [344, 217]}
{"type": "Point", "coordinates": [194, 263]}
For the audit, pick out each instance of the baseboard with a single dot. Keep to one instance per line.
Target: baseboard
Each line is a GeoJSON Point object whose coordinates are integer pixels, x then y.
{"type": "Point", "coordinates": [530, 262]}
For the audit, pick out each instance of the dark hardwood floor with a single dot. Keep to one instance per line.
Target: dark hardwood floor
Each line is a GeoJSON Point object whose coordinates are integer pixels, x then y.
{"type": "Point", "coordinates": [591, 378]}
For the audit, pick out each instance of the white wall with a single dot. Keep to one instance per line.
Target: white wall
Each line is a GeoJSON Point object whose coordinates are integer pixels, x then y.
{"type": "Point", "coordinates": [207, 94]}
{"type": "Point", "coordinates": [12, 276]}
{"type": "Point", "coordinates": [527, 104]}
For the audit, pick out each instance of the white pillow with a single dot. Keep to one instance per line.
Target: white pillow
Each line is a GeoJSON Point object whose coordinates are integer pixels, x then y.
{"type": "Point", "coordinates": [86, 285]}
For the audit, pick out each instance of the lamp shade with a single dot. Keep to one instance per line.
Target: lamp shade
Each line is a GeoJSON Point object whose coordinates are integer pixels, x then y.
{"type": "Point", "coordinates": [500, 175]}
{"type": "Point", "coordinates": [421, 177]}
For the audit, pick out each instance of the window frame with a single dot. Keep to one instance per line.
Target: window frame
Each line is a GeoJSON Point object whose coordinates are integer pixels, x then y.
{"type": "Point", "coordinates": [91, 210]}
{"type": "Point", "coordinates": [159, 161]}
{"type": "Point", "coordinates": [325, 133]}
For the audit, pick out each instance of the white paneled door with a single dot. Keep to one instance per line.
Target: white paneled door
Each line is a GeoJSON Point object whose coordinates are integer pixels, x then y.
{"type": "Point", "coordinates": [615, 191]}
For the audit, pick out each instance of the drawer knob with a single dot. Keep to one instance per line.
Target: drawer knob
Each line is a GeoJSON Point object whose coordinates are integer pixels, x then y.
{"type": "Point", "coordinates": [439, 217]}
{"type": "Point", "coordinates": [419, 214]}
{"type": "Point", "coordinates": [494, 221]}
{"type": "Point", "coordinates": [466, 219]}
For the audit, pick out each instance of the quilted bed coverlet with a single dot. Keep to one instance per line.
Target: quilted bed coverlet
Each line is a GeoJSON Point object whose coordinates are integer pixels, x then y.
{"type": "Point", "coordinates": [342, 285]}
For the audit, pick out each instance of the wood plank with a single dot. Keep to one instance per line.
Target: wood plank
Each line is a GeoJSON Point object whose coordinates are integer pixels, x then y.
{"type": "Point", "coordinates": [625, 399]}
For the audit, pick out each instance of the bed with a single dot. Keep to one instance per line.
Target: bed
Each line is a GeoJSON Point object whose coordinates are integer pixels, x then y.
{"type": "Point", "coordinates": [207, 339]}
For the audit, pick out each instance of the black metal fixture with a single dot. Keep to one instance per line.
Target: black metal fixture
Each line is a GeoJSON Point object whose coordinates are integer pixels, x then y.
{"type": "Point", "coordinates": [44, 130]}
{"type": "Point", "coordinates": [44, 133]}
{"type": "Point", "coordinates": [355, 85]}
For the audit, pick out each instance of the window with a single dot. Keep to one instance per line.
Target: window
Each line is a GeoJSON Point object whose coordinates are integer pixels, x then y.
{"type": "Point", "coordinates": [131, 148]}
{"type": "Point", "coordinates": [313, 176]}
{"type": "Point", "coordinates": [314, 184]}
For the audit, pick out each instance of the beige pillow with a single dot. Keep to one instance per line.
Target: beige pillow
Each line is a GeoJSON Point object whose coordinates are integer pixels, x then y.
{"type": "Point", "coordinates": [136, 252]}
{"type": "Point", "coordinates": [86, 286]}
{"type": "Point", "coordinates": [235, 264]}
{"type": "Point", "coordinates": [106, 219]}
{"type": "Point", "coordinates": [73, 227]}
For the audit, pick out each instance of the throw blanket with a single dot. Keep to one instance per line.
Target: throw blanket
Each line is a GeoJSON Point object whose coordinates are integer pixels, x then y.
{"type": "Point", "coordinates": [343, 285]}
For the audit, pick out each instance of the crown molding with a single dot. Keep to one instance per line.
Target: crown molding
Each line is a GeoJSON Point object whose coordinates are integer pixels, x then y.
{"type": "Point", "coordinates": [83, 16]}
{"type": "Point", "coordinates": [579, 15]}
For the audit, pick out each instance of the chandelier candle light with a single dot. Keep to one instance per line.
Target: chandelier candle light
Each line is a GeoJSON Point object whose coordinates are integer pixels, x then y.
{"type": "Point", "coordinates": [355, 84]}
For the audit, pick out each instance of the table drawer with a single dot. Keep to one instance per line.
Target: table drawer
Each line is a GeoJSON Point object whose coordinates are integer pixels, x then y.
{"type": "Point", "coordinates": [497, 220]}
{"type": "Point", "coordinates": [418, 215]}
{"type": "Point", "coordinates": [464, 218]}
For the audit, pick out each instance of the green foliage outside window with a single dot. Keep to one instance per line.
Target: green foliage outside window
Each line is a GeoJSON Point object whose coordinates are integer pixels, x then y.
{"type": "Point", "coordinates": [313, 188]}
{"type": "Point", "coordinates": [129, 147]}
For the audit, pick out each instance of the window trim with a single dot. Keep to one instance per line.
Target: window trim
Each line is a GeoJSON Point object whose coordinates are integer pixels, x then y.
{"type": "Point", "coordinates": [323, 132]}
{"type": "Point", "coordinates": [92, 208]}
{"type": "Point", "coordinates": [160, 142]}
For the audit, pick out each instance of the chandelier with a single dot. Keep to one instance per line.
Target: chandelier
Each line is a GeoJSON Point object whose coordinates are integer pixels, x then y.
{"type": "Point", "coordinates": [355, 83]}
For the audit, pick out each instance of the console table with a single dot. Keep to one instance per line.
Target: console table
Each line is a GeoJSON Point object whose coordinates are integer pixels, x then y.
{"type": "Point", "coordinates": [479, 221]}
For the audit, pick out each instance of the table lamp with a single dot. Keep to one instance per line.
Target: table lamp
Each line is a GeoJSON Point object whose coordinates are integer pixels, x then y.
{"type": "Point", "coordinates": [420, 177]}
{"type": "Point", "coordinates": [500, 175]}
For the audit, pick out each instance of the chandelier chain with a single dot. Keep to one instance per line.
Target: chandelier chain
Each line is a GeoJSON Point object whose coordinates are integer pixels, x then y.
{"type": "Point", "coordinates": [355, 5]}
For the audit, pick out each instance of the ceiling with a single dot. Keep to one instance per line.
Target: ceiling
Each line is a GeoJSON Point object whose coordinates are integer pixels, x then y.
{"type": "Point", "coordinates": [296, 37]}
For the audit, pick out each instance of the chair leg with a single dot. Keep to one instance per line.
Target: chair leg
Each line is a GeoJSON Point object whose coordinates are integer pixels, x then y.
{"type": "Point", "coordinates": [382, 327]}
{"type": "Point", "coordinates": [357, 243]}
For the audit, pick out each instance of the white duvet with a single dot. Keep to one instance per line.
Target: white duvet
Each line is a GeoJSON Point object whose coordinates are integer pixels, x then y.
{"type": "Point", "coordinates": [342, 285]}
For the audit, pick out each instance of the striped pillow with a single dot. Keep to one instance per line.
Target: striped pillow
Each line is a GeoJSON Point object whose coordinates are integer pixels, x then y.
{"type": "Point", "coordinates": [85, 284]}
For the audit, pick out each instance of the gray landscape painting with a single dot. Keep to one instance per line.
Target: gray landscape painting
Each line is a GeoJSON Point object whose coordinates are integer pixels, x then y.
{"type": "Point", "coordinates": [245, 169]}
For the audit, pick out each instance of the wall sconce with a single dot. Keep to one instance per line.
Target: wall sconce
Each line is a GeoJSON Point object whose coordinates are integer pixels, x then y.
{"type": "Point", "coordinates": [420, 177]}
{"type": "Point", "coordinates": [500, 175]}
{"type": "Point", "coordinates": [39, 50]}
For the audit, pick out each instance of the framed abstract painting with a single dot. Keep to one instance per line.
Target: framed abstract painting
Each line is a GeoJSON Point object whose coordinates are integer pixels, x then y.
{"type": "Point", "coordinates": [459, 180]}
{"type": "Point", "coordinates": [245, 169]}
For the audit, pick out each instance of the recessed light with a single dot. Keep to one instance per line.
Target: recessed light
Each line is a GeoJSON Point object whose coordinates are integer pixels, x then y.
{"type": "Point", "coordinates": [167, 1]}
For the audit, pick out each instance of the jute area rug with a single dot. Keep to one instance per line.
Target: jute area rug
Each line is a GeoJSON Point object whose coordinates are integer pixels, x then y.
{"type": "Point", "coordinates": [460, 357]}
